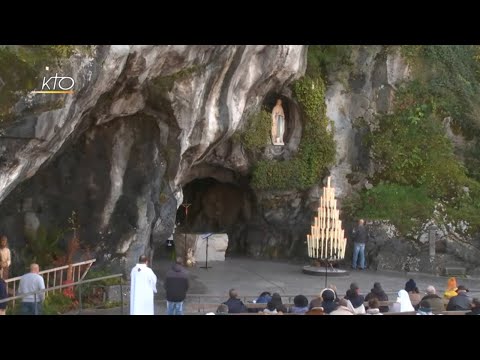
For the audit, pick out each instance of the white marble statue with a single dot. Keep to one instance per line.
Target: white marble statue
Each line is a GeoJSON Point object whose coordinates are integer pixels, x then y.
{"type": "Point", "coordinates": [278, 123]}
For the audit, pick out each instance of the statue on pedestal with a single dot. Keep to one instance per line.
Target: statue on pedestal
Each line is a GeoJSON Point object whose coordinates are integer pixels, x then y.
{"type": "Point", "coordinates": [190, 258]}
{"type": "Point", "coordinates": [278, 123]}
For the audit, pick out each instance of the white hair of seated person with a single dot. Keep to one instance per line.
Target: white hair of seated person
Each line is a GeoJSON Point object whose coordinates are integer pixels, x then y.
{"type": "Point", "coordinates": [431, 290]}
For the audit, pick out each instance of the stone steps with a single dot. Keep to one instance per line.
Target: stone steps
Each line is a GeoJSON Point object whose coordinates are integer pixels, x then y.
{"type": "Point", "coordinates": [451, 270]}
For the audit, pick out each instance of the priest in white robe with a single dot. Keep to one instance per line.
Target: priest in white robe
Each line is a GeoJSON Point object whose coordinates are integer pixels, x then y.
{"type": "Point", "coordinates": [142, 289]}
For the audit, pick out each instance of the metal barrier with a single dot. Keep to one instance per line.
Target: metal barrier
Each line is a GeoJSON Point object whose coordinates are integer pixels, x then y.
{"type": "Point", "coordinates": [79, 283]}
{"type": "Point", "coordinates": [57, 273]}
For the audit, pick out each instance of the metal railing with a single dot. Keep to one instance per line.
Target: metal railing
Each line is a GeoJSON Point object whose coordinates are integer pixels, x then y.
{"type": "Point", "coordinates": [78, 283]}
{"type": "Point", "coordinates": [56, 273]}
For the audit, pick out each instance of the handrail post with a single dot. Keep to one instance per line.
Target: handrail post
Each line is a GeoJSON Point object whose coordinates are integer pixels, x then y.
{"type": "Point", "coordinates": [35, 312]}
{"type": "Point", "coordinates": [121, 295]}
{"type": "Point", "coordinates": [80, 298]}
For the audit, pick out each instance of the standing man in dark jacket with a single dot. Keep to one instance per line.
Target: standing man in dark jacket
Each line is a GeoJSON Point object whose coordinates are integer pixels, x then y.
{"type": "Point", "coordinates": [176, 286]}
{"type": "Point", "coordinates": [359, 240]}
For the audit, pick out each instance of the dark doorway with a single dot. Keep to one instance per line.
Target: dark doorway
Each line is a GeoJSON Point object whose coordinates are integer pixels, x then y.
{"type": "Point", "coordinates": [215, 207]}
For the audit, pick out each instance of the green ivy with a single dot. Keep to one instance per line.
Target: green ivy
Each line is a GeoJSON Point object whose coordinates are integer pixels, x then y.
{"type": "Point", "coordinates": [450, 74]}
{"type": "Point", "coordinates": [257, 134]}
{"type": "Point", "coordinates": [407, 207]}
{"type": "Point", "coordinates": [412, 151]}
{"type": "Point", "coordinates": [411, 148]}
{"type": "Point", "coordinates": [57, 304]}
{"type": "Point", "coordinates": [316, 150]}
{"type": "Point", "coordinates": [324, 60]}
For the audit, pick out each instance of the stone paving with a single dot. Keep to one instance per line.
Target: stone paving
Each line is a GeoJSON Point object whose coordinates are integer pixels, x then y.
{"type": "Point", "coordinates": [251, 277]}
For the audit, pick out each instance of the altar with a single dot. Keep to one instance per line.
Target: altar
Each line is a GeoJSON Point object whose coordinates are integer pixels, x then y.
{"type": "Point", "coordinates": [196, 245]}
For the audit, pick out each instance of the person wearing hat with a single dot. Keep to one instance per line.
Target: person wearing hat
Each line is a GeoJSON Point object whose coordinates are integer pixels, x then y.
{"type": "Point", "coordinates": [451, 289]}
{"type": "Point", "coordinates": [328, 301]}
{"type": "Point", "coordinates": [413, 293]}
{"type": "Point", "coordinates": [461, 302]}
{"type": "Point", "coordinates": [378, 293]}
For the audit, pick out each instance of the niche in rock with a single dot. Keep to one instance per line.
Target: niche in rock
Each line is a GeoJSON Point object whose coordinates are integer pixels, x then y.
{"type": "Point", "coordinates": [292, 122]}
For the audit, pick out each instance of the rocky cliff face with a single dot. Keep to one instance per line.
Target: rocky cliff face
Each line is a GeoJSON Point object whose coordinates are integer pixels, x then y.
{"type": "Point", "coordinates": [354, 98]}
{"type": "Point", "coordinates": [138, 127]}
{"type": "Point", "coordinates": [149, 127]}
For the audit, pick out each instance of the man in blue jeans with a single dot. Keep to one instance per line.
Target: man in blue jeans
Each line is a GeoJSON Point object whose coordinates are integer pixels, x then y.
{"type": "Point", "coordinates": [176, 287]}
{"type": "Point", "coordinates": [359, 240]}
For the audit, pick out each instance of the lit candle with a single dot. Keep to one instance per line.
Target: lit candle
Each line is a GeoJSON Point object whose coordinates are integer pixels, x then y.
{"type": "Point", "coordinates": [308, 245]}
{"type": "Point", "coordinates": [324, 210]}
{"type": "Point", "coordinates": [331, 242]}
{"type": "Point", "coordinates": [337, 242]}
{"type": "Point", "coordinates": [321, 243]}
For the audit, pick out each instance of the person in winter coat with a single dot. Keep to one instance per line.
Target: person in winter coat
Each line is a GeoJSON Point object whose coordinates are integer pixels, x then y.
{"type": "Point", "coordinates": [451, 288]}
{"type": "Point", "coordinates": [413, 293]}
{"type": "Point", "coordinates": [277, 301]}
{"type": "Point", "coordinates": [436, 302]}
{"type": "Point", "coordinates": [176, 286]}
{"type": "Point", "coordinates": [328, 300]}
{"type": "Point", "coordinates": [373, 308]}
{"type": "Point", "coordinates": [461, 301]}
{"type": "Point", "coordinates": [378, 293]}
{"type": "Point", "coordinates": [357, 300]}
{"type": "Point", "coordinates": [235, 305]}
{"type": "Point", "coordinates": [342, 308]}
{"type": "Point", "coordinates": [300, 305]}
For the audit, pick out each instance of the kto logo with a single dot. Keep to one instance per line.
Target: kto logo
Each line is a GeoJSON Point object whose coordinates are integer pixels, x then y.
{"type": "Point", "coordinates": [56, 85]}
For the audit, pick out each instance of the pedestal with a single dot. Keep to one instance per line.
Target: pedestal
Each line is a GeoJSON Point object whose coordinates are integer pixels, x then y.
{"type": "Point", "coordinates": [324, 271]}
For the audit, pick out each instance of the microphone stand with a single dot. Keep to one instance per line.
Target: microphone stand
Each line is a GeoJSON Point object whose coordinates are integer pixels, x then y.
{"type": "Point", "coordinates": [206, 267]}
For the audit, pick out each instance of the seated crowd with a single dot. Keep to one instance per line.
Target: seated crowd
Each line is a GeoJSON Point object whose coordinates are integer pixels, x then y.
{"type": "Point", "coordinates": [328, 302]}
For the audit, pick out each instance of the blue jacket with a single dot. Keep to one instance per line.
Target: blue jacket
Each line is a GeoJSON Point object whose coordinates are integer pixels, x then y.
{"type": "Point", "coordinates": [263, 299]}
{"type": "Point", "coordinates": [235, 306]}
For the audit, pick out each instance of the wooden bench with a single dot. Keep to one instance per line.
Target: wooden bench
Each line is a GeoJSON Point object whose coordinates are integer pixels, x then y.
{"type": "Point", "coordinates": [200, 308]}
{"type": "Point", "coordinates": [212, 307]}
{"type": "Point", "coordinates": [435, 313]}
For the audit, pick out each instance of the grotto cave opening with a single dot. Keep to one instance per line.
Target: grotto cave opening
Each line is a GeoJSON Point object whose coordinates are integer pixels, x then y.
{"type": "Point", "coordinates": [216, 207]}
